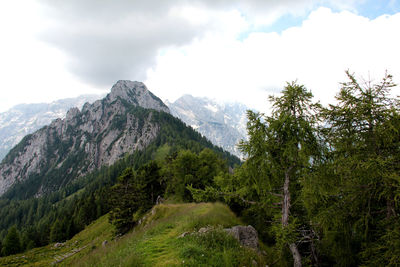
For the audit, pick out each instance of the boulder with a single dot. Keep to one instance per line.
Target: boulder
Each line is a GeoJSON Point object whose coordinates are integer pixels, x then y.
{"type": "Point", "coordinates": [246, 235]}
{"type": "Point", "coordinates": [58, 245]}
{"type": "Point", "coordinates": [159, 200]}
{"type": "Point", "coordinates": [184, 234]}
{"type": "Point", "coordinates": [204, 230]}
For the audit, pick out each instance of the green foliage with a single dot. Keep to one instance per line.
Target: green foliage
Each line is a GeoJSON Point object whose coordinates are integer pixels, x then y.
{"type": "Point", "coordinates": [57, 232]}
{"type": "Point", "coordinates": [187, 168]}
{"type": "Point", "coordinates": [342, 163]}
{"type": "Point", "coordinates": [12, 242]}
{"type": "Point", "coordinates": [279, 153]}
{"type": "Point", "coordinates": [355, 190]}
{"type": "Point", "coordinates": [137, 191]}
{"type": "Point", "coordinates": [127, 197]}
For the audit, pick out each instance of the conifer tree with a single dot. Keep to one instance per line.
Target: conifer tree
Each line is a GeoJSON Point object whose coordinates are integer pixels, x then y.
{"type": "Point", "coordinates": [126, 198]}
{"type": "Point", "coordinates": [12, 242]}
{"type": "Point", "coordinates": [279, 153]}
{"type": "Point", "coordinates": [356, 192]}
{"type": "Point", "coordinates": [57, 233]}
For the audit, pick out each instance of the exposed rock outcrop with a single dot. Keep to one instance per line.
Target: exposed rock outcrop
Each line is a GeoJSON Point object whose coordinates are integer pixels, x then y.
{"type": "Point", "coordinates": [223, 124]}
{"type": "Point", "coordinates": [85, 140]}
{"type": "Point", "coordinates": [25, 119]}
{"type": "Point", "coordinates": [246, 235]}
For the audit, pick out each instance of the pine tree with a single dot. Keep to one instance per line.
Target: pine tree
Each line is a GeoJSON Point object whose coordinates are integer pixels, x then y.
{"type": "Point", "coordinates": [12, 242]}
{"type": "Point", "coordinates": [126, 198]}
{"type": "Point", "coordinates": [57, 233]}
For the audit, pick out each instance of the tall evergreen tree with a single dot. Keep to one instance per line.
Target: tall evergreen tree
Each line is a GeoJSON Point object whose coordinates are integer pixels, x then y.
{"type": "Point", "coordinates": [357, 189]}
{"type": "Point", "coordinates": [57, 233]}
{"type": "Point", "coordinates": [290, 145]}
{"type": "Point", "coordinates": [279, 153]}
{"type": "Point", "coordinates": [12, 242]}
{"type": "Point", "coordinates": [126, 198]}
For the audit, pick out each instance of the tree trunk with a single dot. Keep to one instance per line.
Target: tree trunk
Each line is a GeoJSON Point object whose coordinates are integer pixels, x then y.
{"type": "Point", "coordinates": [296, 255]}
{"type": "Point", "coordinates": [285, 218]}
{"type": "Point", "coordinates": [390, 208]}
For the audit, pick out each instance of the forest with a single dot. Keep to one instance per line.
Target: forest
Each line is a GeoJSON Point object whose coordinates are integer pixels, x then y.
{"type": "Point", "coordinates": [321, 184]}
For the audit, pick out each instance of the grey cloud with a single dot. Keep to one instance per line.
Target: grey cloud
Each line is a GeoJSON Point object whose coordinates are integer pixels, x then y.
{"type": "Point", "coordinates": [110, 40]}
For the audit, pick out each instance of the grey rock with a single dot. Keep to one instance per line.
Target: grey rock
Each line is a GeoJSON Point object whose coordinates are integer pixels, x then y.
{"type": "Point", "coordinates": [246, 235]}
{"type": "Point", "coordinates": [59, 245]}
{"type": "Point", "coordinates": [223, 124]}
{"type": "Point", "coordinates": [136, 93]}
{"type": "Point", "coordinates": [159, 200]}
{"type": "Point", "coordinates": [184, 234]}
{"type": "Point", "coordinates": [204, 230]}
{"type": "Point", "coordinates": [99, 135]}
{"type": "Point", "coordinates": [24, 119]}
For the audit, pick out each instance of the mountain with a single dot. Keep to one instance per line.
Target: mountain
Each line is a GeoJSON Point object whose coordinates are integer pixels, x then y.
{"type": "Point", "coordinates": [223, 124]}
{"type": "Point", "coordinates": [98, 135]}
{"type": "Point", "coordinates": [24, 119]}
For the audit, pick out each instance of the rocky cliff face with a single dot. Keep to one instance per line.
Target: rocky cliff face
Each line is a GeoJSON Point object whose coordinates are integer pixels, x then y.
{"type": "Point", "coordinates": [86, 139]}
{"type": "Point", "coordinates": [223, 124]}
{"type": "Point", "coordinates": [24, 119]}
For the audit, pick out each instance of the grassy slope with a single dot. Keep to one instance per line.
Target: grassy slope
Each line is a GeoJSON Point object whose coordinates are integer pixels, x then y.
{"type": "Point", "coordinates": [154, 243]}
{"type": "Point", "coordinates": [80, 244]}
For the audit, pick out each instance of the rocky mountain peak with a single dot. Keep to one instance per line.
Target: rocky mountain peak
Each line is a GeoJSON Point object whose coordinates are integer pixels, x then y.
{"type": "Point", "coordinates": [86, 140]}
{"type": "Point", "coordinates": [136, 93]}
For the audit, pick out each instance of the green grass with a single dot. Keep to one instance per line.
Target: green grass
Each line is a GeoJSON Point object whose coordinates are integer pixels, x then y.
{"type": "Point", "coordinates": [84, 242]}
{"type": "Point", "coordinates": [155, 242]}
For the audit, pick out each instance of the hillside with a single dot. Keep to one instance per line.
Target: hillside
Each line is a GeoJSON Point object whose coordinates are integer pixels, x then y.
{"type": "Point", "coordinates": [98, 135]}
{"type": "Point", "coordinates": [63, 173]}
{"type": "Point", "coordinates": [24, 119]}
{"type": "Point", "coordinates": [155, 242]}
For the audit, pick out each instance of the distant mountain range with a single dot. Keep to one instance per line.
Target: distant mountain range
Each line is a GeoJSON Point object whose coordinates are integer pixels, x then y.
{"type": "Point", "coordinates": [223, 124]}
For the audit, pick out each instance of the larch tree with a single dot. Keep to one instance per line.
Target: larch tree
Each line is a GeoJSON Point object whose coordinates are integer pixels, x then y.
{"type": "Point", "coordinates": [290, 145]}
{"type": "Point", "coordinates": [359, 184]}
{"type": "Point", "coordinates": [279, 152]}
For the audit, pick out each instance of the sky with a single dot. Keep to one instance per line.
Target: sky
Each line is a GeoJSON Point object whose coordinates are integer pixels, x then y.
{"type": "Point", "coordinates": [227, 50]}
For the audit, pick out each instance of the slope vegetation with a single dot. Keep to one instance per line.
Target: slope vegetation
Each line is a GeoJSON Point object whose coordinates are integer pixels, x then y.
{"type": "Point", "coordinates": [155, 242]}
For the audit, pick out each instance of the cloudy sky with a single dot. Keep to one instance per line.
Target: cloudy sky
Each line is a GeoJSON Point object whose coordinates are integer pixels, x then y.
{"type": "Point", "coordinates": [229, 50]}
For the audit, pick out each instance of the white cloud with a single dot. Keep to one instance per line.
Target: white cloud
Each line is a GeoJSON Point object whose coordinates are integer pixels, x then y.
{"type": "Point", "coordinates": [51, 49]}
{"type": "Point", "coordinates": [316, 54]}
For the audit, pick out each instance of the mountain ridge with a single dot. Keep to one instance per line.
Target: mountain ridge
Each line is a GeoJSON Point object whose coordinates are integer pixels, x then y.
{"type": "Point", "coordinates": [24, 119]}
{"type": "Point", "coordinates": [223, 124]}
{"type": "Point", "coordinates": [98, 135]}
